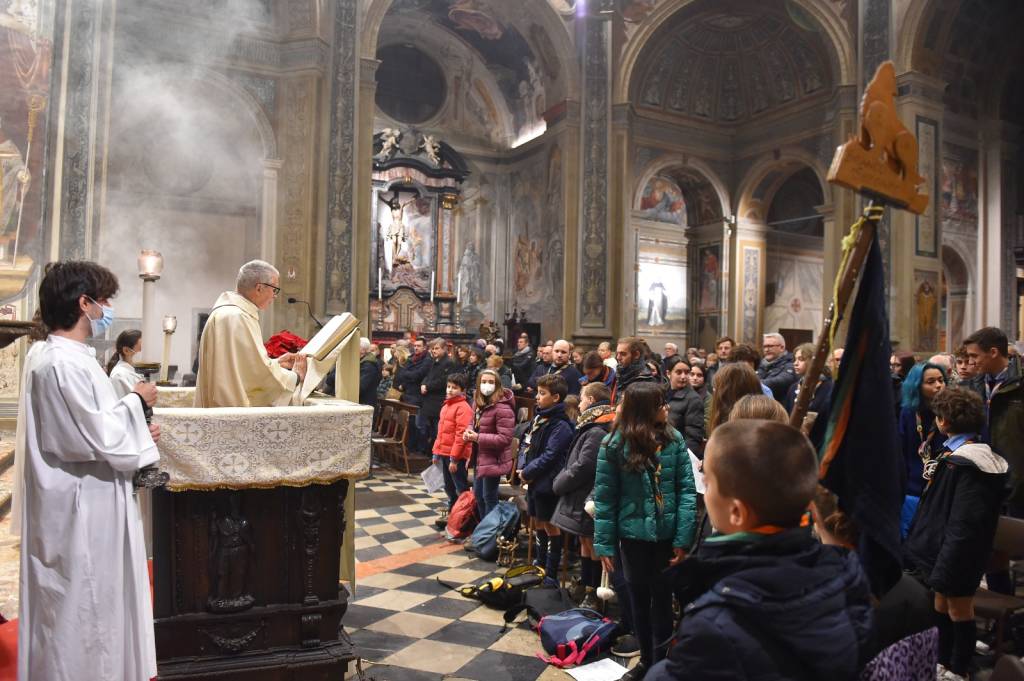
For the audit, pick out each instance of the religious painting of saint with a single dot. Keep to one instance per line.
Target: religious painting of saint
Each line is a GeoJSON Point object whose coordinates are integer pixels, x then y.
{"type": "Point", "coordinates": [926, 306]}
{"type": "Point", "coordinates": [25, 60]}
{"type": "Point", "coordinates": [960, 185]}
{"type": "Point", "coordinates": [709, 259]}
{"type": "Point", "coordinates": [662, 200]}
{"type": "Point", "coordinates": [661, 294]}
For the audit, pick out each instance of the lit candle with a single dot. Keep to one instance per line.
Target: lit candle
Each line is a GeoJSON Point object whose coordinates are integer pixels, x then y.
{"type": "Point", "coordinates": [380, 283]}
{"type": "Point", "coordinates": [432, 286]}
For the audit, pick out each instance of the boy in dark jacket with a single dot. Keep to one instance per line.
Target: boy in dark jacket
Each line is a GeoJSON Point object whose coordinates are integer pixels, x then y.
{"type": "Point", "coordinates": [950, 538]}
{"type": "Point", "coordinates": [766, 599]}
{"type": "Point", "coordinates": [546, 446]}
{"type": "Point", "coordinates": [576, 481]}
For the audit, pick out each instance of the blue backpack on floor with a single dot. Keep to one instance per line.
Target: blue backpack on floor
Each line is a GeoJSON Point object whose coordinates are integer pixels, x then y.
{"type": "Point", "coordinates": [502, 522]}
{"type": "Point", "coordinates": [574, 636]}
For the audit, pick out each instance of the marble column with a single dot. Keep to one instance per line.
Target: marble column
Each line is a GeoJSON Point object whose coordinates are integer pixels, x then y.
{"type": "Point", "coordinates": [363, 188]}
{"type": "Point", "coordinates": [748, 285]}
{"type": "Point", "coordinates": [916, 265]}
{"type": "Point", "coordinates": [596, 285]}
{"type": "Point", "coordinates": [622, 258]}
{"type": "Point", "coordinates": [268, 232]}
{"type": "Point", "coordinates": [340, 160]}
{"type": "Point", "coordinates": [82, 68]}
{"type": "Point", "coordinates": [996, 267]}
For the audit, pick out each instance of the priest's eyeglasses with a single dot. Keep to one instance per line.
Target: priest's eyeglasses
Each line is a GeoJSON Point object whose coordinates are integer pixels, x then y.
{"type": "Point", "coordinates": [277, 289]}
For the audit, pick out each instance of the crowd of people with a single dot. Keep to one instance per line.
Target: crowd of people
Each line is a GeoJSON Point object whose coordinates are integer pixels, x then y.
{"type": "Point", "coordinates": [679, 476]}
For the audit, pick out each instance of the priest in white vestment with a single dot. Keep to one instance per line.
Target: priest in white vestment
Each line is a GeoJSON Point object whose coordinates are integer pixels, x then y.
{"type": "Point", "coordinates": [85, 609]}
{"type": "Point", "coordinates": [234, 368]}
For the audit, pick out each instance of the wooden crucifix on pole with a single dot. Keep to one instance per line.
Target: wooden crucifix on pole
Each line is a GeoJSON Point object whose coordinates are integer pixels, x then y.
{"type": "Point", "coordinates": [879, 163]}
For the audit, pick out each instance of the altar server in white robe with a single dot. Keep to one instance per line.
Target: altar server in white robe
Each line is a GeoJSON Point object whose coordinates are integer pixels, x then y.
{"type": "Point", "coordinates": [120, 367]}
{"type": "Point", "coordinates": [234, 368]}
{"type": "Point", "coordinates": [85, 608]}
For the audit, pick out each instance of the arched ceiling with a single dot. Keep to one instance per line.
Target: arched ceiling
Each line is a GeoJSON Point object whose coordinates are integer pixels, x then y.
{"type": "Point", "coordinates": [727, 61]}
{"type": "Point", "coordinates": [973, 46]}
{"type": "Point", "coordinates": [509, 39]}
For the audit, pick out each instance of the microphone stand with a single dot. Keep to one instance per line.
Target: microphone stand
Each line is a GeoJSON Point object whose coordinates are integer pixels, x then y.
{"type": "Point", "coordinates": [309, 309]}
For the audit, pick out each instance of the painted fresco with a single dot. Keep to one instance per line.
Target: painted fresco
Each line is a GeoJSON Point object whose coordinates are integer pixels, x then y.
{"type": "Point", "coordinates": [709, 263]}
{"type": "Point", "coordinates": [662, 200]}
{"type": "Point", "coordinates": [507, 53]}
{"type": "Point", "coordinates": [661, 294]}
{"type": "Point", "coordinates": [959, 184]}
{"type": "Point", "coordinates": [25, 58]}
{"type": "Point", "coordinates": [926, 315]}
{"type": "Point", "coordinates": [536, 246]}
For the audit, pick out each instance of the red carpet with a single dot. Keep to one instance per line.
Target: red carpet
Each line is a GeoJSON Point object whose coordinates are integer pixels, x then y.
{"type": "Point", "coordinates": [9, 650]}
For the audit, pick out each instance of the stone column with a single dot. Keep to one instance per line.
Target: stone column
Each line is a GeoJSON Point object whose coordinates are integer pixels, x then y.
{"type": "Point", "coordinates": [622, 258]}
{"type": "Point", "coordinates": [995, 250]}
{"type": "Point", "coordinates": [338, 218]}
{"type": "Point", "coordinates": [268, 232]}
{"type": "Point", "coordinates": [597, 281]}
{"type": "Point", "coordinates": [82, 67]}
{"type": "Point", "coordinates": [363, 188]}
{"type": "Point", "coordinates": [748, 285]}
{"type": "Point", "coordinates": [915, 256]}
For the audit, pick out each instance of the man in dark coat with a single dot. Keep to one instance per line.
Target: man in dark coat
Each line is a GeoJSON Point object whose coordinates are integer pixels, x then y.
{"type": "Point", "coordinates": [541, 367]}
{"type": "Point", "coordinates": [369, 374]}
{"type": "Point", "coordinates": [776, 370]}
{"type": "Point", "coordinates": [522, 363]}
{"type": "Point", "coordinates": [409, 377]}
{"type": "Point", "coordinates": [561, 364]}
{"type": "Point", "coordinates": [1001, 387]}
{"type": "Point", "coordinates": [630, 354]}
{"type": "Point", "coordinates": [432, 388]}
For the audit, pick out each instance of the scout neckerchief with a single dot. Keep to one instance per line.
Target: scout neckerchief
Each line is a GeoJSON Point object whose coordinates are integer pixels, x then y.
{"type": "Point", "coordinates": [947, 451]}
{"type": "Point", "coordinates": [924, 449]}
{"type": "Point", "coordinates": [654, 472]}
{"type": "Point", "coordinates": [994, 383]}
{"type": "Point", "coordinates": [538, 423]}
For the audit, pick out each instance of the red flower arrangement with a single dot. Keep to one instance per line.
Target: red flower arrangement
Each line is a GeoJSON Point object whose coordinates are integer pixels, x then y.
{"type": "Point", "coordinates": [284, 342]}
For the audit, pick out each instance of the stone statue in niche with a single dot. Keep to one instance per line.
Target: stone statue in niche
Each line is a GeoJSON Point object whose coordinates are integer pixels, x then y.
{"type": "Point", "coordinates": [232, 547]}
{"type": "Point", "coordinates": [469, 273]}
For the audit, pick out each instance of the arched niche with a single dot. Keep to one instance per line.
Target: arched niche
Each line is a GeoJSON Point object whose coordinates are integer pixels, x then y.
{"type": "Point", "coordinates": [822, 14]}
{"type": "Point", "coordinates": [192, 173]}
{"type": "Point", "coordinates": [768, 173]}
{"type": "Point", "coordinates": [795, 294]}
{"type": "Point", "coordinates": [677, 220]}
{"type": "Point", "coordinates": [956, 290]}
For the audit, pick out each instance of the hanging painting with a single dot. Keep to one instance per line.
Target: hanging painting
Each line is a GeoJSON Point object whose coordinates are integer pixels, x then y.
{"type": "Point", "coordinates": [660, 288]}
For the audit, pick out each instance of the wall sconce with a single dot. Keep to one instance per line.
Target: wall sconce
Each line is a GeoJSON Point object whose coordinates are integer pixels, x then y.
{"type": "Point", "coordinates": [151, 266]}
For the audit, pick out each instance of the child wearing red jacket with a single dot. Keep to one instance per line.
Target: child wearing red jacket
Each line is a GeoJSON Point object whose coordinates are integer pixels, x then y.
{"type": "Point", "coordinates": [449, 448]}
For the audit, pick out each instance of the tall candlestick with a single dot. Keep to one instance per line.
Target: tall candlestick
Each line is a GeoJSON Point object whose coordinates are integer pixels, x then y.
{"type": "Point", "coordinates": [380, 284]}
{"type": "Point", "coordinates": [165, 361]}
{"type": "Point", "coordinates": [458, 290]}
{"type": "Point", "coordinates": [432, 286]}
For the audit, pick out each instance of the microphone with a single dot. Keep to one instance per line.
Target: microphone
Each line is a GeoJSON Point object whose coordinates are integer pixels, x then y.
{"type": "Point", "coordinates": [292, 301]}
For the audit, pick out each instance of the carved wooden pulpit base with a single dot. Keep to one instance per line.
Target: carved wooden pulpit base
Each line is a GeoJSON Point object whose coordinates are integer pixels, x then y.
{"type": "Point", "coordinates": [246, 584]}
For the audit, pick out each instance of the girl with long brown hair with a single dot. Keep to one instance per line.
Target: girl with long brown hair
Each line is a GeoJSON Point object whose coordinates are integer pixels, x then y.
{"type": "Point", "coordinates": [645, 510]}
{"type": "Point", "coordinates": [492, 433]}
{"type": "Point", "coordinates": [732, 382]}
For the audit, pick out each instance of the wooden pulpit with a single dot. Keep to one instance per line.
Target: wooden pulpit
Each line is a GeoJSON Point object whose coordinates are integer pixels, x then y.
{"type": "Point", "coordinates": [248, 536]}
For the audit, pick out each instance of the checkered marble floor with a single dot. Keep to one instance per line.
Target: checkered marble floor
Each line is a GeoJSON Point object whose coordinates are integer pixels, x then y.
{"type": "Point", "coordinates": [392, 530]}
{"type": "Point", "coordinates": [407, 625]}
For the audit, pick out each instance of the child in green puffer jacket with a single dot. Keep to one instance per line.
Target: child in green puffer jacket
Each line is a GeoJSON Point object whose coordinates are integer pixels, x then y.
{"type": "Point", "coordinates": [646, 509]}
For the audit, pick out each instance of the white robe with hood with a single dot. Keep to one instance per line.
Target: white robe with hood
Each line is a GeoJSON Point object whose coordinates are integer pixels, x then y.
{"type": "Point", "coordinates": [85, 610]}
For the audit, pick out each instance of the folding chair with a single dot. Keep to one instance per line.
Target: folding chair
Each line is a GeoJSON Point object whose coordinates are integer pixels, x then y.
{"type": "Point", "coordinates": [1000, 608]}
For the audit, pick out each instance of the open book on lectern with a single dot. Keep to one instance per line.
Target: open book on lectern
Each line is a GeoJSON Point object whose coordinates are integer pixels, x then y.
{"type": "Point", "coordinates": [323, 349]}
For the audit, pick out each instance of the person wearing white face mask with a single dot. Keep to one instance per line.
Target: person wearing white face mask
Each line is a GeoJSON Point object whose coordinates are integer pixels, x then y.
{"type": "Point", "coordinates": [492, 433]}
{"type": "Point", "coordinates": [121, 368]}
{"type": "Point", "coordinates": [84, 588]}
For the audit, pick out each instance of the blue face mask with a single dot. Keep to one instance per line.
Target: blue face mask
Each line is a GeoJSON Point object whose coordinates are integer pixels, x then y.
{"type": "Point", "coordinates": [100, 326]}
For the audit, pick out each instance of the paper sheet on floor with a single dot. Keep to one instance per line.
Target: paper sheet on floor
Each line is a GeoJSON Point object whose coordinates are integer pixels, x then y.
{"type": "Point", "coordinates": [602, 670]}
{"type": "Point", "coordinates": [433, 478]}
